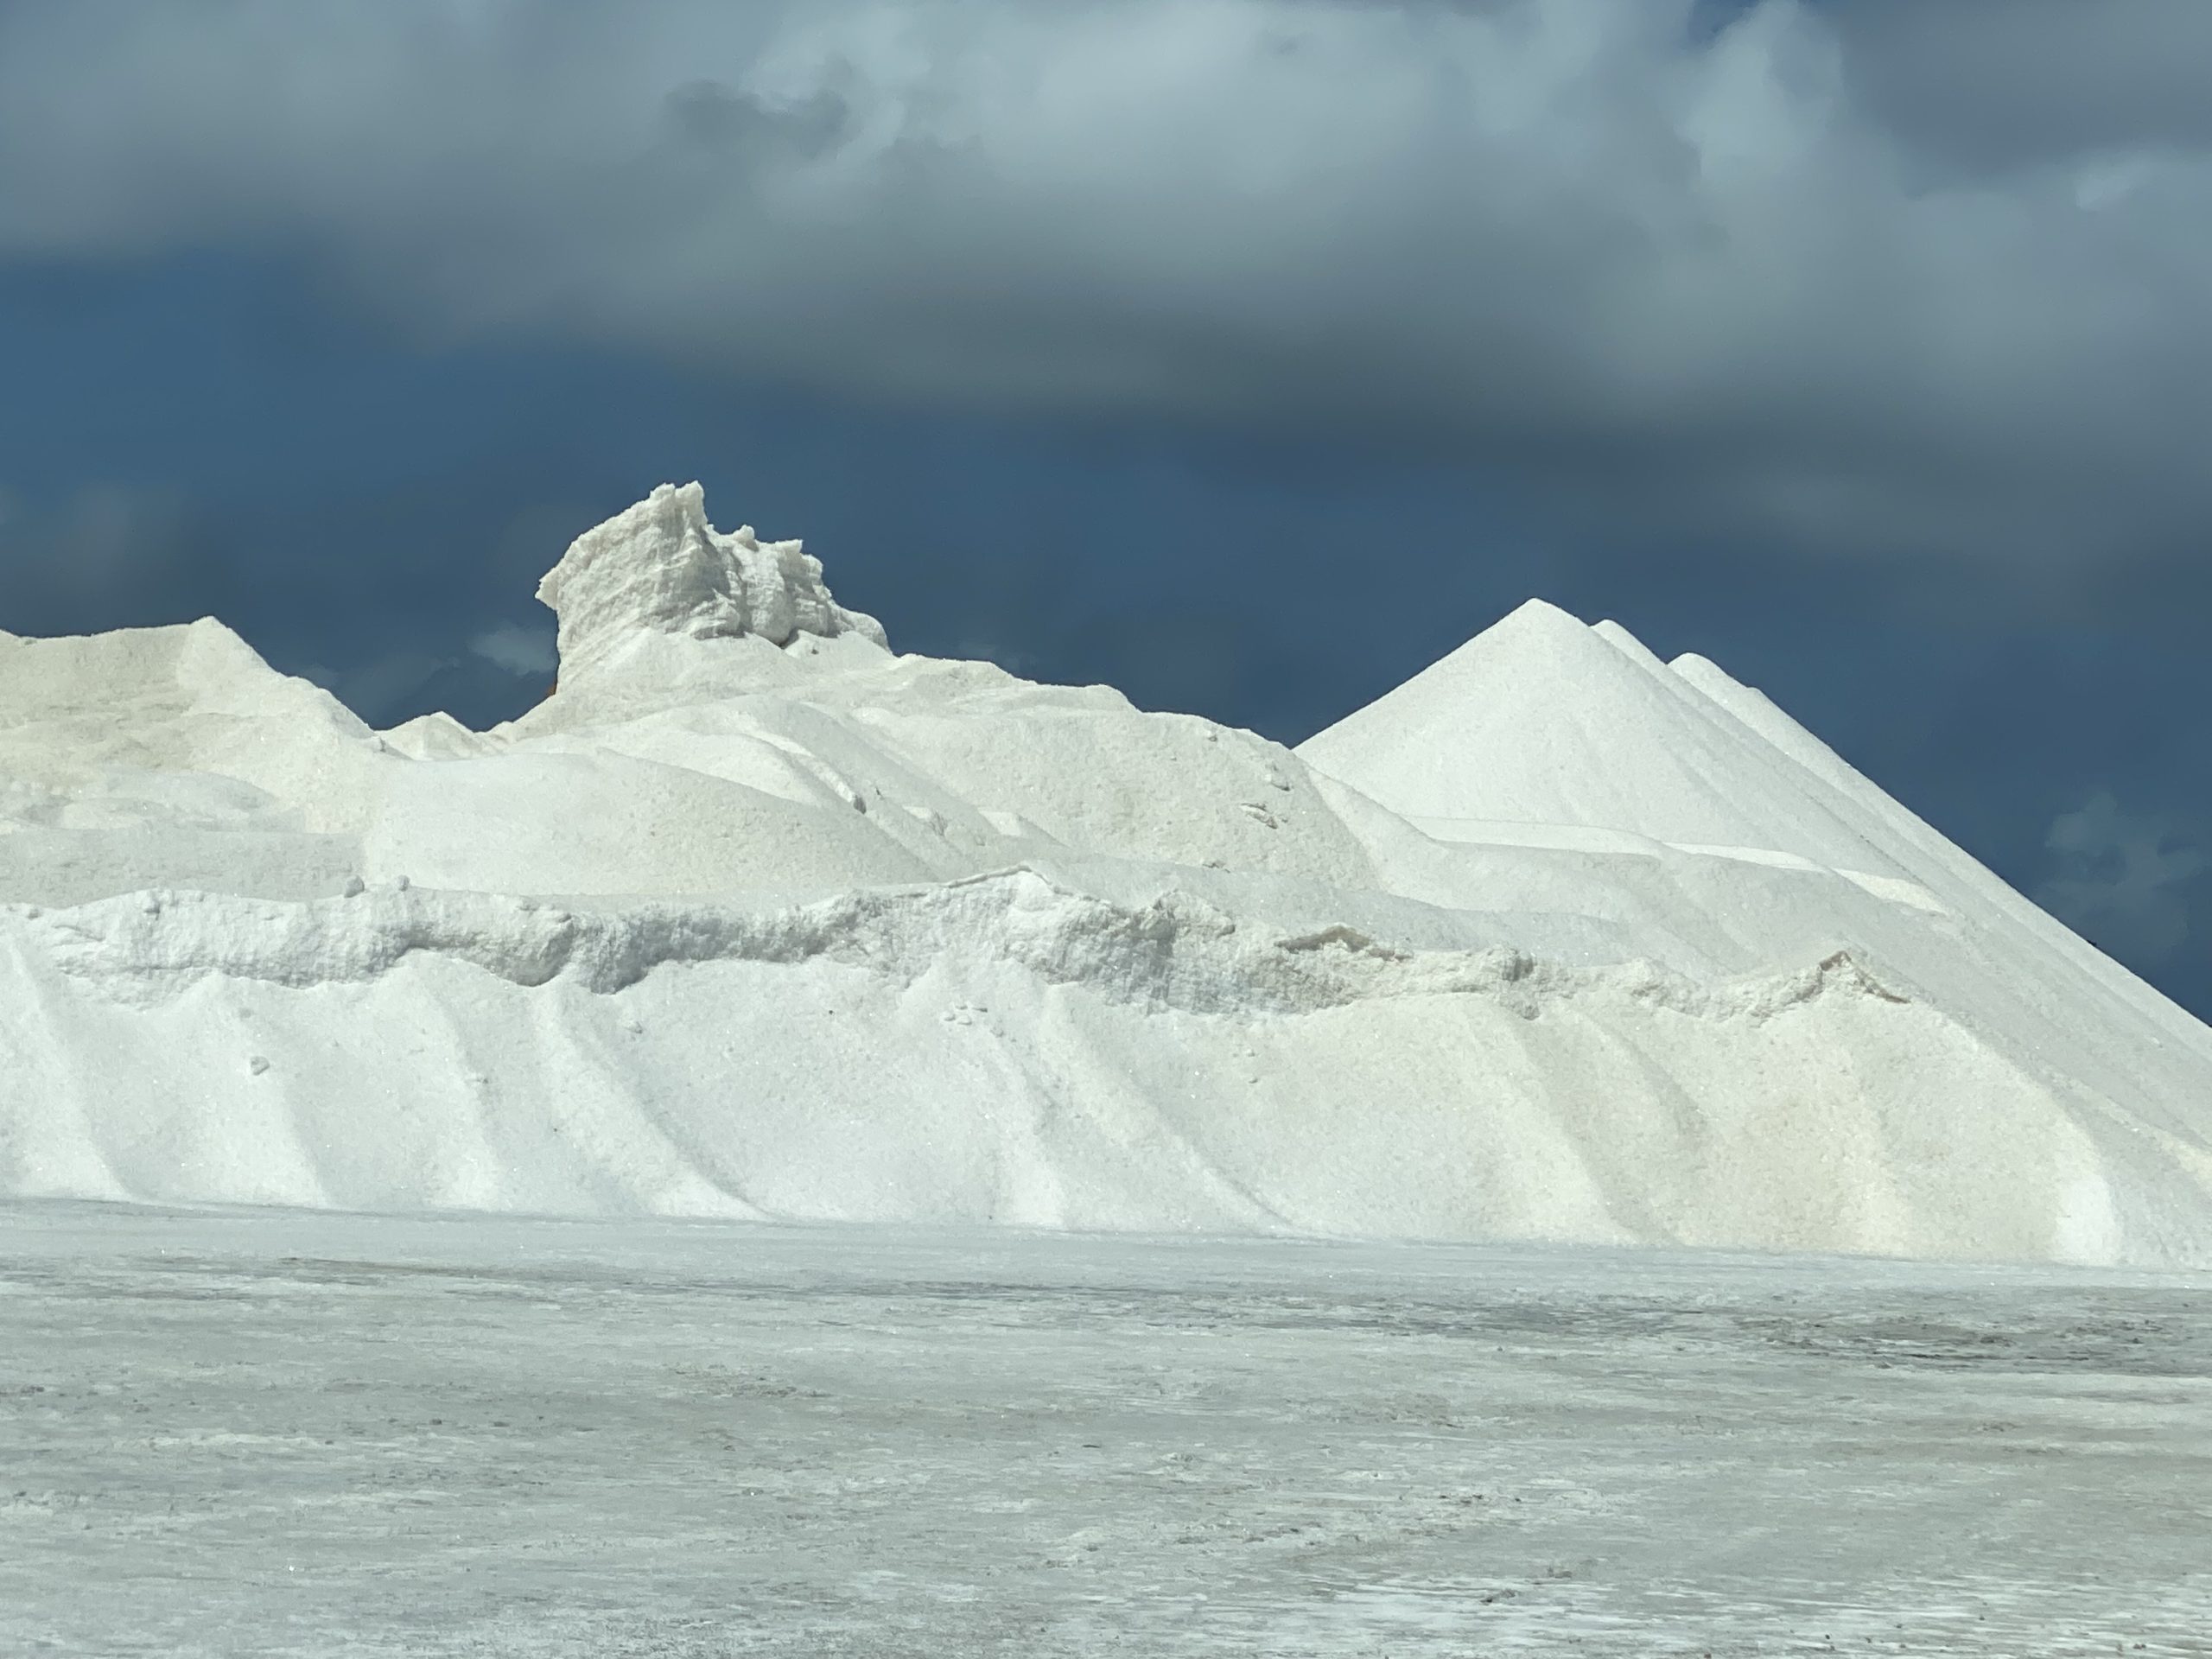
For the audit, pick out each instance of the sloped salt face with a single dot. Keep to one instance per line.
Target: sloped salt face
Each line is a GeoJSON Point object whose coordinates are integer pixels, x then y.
{"type": "Point", "coordinates": [752, 918]}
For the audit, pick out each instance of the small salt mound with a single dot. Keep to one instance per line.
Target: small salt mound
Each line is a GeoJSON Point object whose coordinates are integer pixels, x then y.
{"type": "Point", "coordinates": [189, 699]}
{"type": "Point", "coordinates": [174, 756]}
{"type": "Point", "coordinates": [437, 736]}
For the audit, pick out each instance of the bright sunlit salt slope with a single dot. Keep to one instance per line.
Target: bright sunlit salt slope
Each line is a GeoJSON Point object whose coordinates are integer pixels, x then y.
{"type": "Point", "coordinates": [754, 916]}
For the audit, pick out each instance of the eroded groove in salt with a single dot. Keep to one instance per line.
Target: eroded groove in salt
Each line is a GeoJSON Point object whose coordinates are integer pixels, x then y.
{"type": "Point", "coordinates": [754, 916]}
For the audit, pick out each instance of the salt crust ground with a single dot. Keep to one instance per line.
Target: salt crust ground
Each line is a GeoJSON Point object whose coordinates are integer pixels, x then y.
{"type": "Point", "coordinates": [320, 1435]}
{"type": "Point", "coordinates": [754, 918]}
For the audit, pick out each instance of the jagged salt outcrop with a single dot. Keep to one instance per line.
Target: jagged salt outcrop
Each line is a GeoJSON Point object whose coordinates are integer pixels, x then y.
{"type": "Point", "coordinates": [660, 568]}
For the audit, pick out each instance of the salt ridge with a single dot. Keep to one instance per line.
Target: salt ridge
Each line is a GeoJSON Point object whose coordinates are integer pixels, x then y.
{"type": "Point", "coordinates": [755, 917]}
{"type": "Point", "coordinates": [1176, 952]}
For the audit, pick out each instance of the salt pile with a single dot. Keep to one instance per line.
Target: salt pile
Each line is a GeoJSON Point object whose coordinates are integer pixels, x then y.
{"type": "Point", "coordinates": [755, 917]}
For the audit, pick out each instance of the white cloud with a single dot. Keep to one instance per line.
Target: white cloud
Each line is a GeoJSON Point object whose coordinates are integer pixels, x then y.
{"type": "Point", "coordinates": [516, 649]}
{"type": "Point", "coordinates": [1765, 279]}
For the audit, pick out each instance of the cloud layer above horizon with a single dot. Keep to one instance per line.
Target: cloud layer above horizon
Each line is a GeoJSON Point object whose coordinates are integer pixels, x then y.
{"type": "Point", "coordinates": [1885, 279]}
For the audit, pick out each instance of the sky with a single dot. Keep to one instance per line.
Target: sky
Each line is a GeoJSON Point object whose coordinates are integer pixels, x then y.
{"type": "Point", "coordinates": [1246, 354]}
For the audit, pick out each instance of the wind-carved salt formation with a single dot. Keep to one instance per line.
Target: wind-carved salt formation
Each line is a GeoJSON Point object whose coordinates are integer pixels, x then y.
{"type": "Point", "coordinates": [753, 917]}
{"type": "Point", "coordinates": [661, 567]}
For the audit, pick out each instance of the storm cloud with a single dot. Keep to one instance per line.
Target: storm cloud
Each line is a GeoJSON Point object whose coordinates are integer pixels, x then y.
{"type": "Point", "coordinates": [1882, 279]}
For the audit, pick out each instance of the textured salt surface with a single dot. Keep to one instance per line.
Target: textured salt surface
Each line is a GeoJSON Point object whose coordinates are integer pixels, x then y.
{"type": "Point", "coordinates": [754, 918]}
{"type": "Point", "coordinates": [306, 1434]}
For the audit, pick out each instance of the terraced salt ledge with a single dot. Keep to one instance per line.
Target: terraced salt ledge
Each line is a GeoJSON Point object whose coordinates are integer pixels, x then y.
{"type": "Point", "coordinates": [1568, 837]}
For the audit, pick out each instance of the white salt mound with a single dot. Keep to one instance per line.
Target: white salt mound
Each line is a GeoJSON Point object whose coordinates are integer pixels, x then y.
{"type": "Point", "coordinates": [753, 917]}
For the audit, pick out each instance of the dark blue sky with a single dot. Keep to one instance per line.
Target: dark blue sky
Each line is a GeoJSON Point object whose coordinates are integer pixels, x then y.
{"type": "Point", "coordinates": [1883, 383]}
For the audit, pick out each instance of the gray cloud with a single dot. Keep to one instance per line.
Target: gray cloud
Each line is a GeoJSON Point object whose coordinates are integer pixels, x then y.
{"type": "Point", "coordinates": [1922, 280]}
{"type": "Point", "coordinates": [1992, 84]}
{"type": "Point", "coordinates": [2121, 879]}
